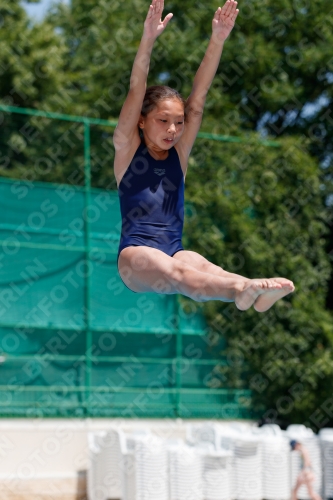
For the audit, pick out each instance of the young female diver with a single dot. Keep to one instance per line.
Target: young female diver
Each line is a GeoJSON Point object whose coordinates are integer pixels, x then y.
{"type": "Point", "coordinates": [153, 141]}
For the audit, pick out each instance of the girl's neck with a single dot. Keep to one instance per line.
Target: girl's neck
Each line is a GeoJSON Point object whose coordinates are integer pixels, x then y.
{"type": "Point", "coordinates": [156, 153]}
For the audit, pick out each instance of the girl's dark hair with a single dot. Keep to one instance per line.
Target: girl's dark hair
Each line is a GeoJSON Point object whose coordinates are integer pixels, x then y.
{"type": "Point", "coordinates": [158, 93]}
{"type": "Point", "coordinates": [155, 94]}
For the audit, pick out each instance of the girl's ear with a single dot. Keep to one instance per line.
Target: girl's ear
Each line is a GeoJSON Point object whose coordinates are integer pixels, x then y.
{"type": "Point", "coordinates": [141, 122]}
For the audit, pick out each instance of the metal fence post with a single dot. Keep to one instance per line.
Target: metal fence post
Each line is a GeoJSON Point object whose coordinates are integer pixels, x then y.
{"type": "Point", "coordinates": [87, 296]}
{"type": "Point", "coordinates": [179, 348]}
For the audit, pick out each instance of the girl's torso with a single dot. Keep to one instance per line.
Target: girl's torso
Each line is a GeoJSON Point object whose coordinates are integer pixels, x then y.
{"type": "Point", "coordinates": [151, 194]}
{"type": "Point", "coordinates": [125, 155]}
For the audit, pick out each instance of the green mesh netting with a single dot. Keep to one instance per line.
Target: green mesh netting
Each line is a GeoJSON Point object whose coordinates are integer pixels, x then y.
{"type": "Point", "coordinates": [74, 340]}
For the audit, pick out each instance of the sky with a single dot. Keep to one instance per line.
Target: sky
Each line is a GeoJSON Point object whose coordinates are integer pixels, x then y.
{"type": "Point", "coordinates": [37, 11]}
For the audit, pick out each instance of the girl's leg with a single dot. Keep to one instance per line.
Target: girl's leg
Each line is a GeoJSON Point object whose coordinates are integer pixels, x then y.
{"type": "Point", "coordinates": [295, 490]}
{"type": "Point", "coordinates": [313, 495]}
{"type": "Point", "coordinates": [146, 269]}
{"type": "Point", "coordinates": [298, 484]}
{"type": "Point", "coordinates": [203, 265]}
{"type": "Point", "coordinates": [262, 303]}
{"type": "Point", "coordinates": [308, 480]}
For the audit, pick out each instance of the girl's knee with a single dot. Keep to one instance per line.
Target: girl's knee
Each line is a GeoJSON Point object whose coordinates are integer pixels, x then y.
{"type": "Point", "coordinates": [177, 272]}
{"type": "Point", "coordinates": [138, 260]}
{"type": "Point", "coordinates": [162, 286]}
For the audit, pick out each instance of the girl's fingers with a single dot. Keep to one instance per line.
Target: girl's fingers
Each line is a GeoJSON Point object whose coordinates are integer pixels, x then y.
{"type": "Point", "coordinates": [150, 11]}
{"type": "Point", "coordinates": [235, 15]}
{"type": "Point", "coordinates": [167, 19]}
{"type": "Point", "coordinates": [158, 6]}
{"type": "Point", "coordinates": [234, 12]}
{"type": "Point", "coordinates": [225, 9]}
{"type": "Point", "coordinates": [217, 14]}
{"type": "Point", "coordinates": [229, 7]}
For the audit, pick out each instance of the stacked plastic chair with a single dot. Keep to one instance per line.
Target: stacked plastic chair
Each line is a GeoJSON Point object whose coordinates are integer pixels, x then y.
{"type": "Point", "coordinates": [306, 437]}
{"type": "Point", "coordinates": [185, 472]}
{"type": "Point", "coordinates": [217, 459]}
{"type": "Point", "coordinates": [276, 475]}
{"type": "Point", "coordinates": [219, 462]}
{"type": "Point", "coordinates": [326, 441]}
{"type": "Point", "coordinates": [202, 435]}
{"type": "Point", "coordinates": [94, 448]}
{"type": "Point", "coordinates": [217, 474]}
{"type": "Point", "coordinates": [246, 469]}
{"type": "Point", "coordinates": [146, 469]}
{"type": "Point", "coordinates": [105, 474]}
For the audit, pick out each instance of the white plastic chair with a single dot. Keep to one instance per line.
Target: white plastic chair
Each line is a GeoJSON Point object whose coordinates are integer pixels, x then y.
{"type": "Point", "coordinates": [248, 468]}
{"type": "Point", "coordinates": [246, 462]}
{"type": "Point", "coordinates": [105, 472]}
{"type": "Point", "coordinates": [276, 468]}
{"type": "Point", "coordinates": [276, 477]}
{"type": "Point", "coordinates": [217, 474]}
{"type": "Point", "coordinates": [185, 472]}
{"type": "Point", "coordinates": [146, 469]}
{"type": "Point", "coordinates": [201, 435]}
{"type": "Point", "coordinates": [93, 452]}
{"type": "Point", "coordinates": [326, 442]}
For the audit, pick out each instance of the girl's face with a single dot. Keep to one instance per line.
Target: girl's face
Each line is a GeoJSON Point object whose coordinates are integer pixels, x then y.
{"type": "Point", "coordinates": [164, 125]}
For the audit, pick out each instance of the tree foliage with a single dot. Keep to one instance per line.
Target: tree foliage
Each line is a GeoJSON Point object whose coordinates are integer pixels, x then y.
{"type": "Point", "coordinates": [258, 212]}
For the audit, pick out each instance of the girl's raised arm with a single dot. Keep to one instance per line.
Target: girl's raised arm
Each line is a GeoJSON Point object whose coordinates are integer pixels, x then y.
{"type": "Point", "coordinates": [223, 22]}
{"type": "Point", "coordinates": [131, 110]}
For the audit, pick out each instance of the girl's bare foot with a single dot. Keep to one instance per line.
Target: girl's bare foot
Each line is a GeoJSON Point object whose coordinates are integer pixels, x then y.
{"type": "Point", "coordinates": [262, 293]}
{"type": "Point", "coordinates": [267, 299]}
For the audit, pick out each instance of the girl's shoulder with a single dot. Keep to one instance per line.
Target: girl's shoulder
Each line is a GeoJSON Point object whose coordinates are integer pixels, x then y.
{"type": "Point", "coordinates": [124, 155]}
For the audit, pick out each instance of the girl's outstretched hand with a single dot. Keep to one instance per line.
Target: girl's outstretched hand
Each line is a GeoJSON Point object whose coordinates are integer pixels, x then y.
{"type": "Point", "coordinates": [224, 20]}
{"type": "Point", "coordinates": [154, 25]}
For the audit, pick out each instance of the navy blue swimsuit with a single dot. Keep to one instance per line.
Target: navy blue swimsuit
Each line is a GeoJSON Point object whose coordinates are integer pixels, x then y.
{"type": "Point", "coordinates": [151, 195]}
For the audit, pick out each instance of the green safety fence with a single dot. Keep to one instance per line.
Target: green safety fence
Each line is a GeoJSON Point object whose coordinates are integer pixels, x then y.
{"type": "Point", "coordinates": [74, 341]}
